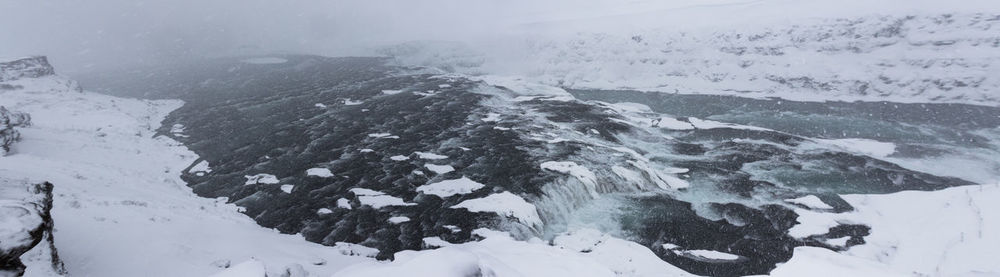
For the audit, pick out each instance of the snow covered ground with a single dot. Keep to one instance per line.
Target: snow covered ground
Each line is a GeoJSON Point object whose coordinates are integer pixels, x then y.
{"type": "Point", "coordinates": [120, 207]}
{"type": "Point", "coordinates": [947, 234]}
{"type": "Point", "coordinates": [936, 233]}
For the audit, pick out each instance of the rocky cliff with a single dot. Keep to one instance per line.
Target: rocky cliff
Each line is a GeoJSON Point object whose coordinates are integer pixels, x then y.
{"type": "Point", "coordinates": [29, 67]}
{"type": "Point", "coordinates": [26, 230]}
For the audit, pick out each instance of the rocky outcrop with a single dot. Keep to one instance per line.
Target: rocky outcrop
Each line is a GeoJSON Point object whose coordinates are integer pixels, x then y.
{"type": "Point", "coordinates": [17, 74]}
{"type": "Point", "coordinates": [26, 230]}
{"type": "Point", "coordinates": [8, 121]}
{"type": "Point", "coordinates": [29, 67]}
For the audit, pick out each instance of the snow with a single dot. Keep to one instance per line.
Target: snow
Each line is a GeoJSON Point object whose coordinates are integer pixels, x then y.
{"type": "Point", "coordinates": [200, 167]}
{"type": "Point", "coordinates": [709, 254]}
{"type": "Point", "coordinates": [810, 201]}
{"type": "Point", "coordinates": [815, 261]}
{"type": "Point", "coordinates": [452, 228]}
{"type": "Point", "coordinates": [439, 169]}
{"type": "Point", "coordinates": [500, 255]}
{"type": "Point", "coordinates": [250, 268]}
{"type": "Point", "coordinates": [841, 242]}
{"type": "Point", "coordinates": [399, 158]}
{"type": "Point", "coordinates": [629, 175]}
{"type": "Point", "coordinates": [320, 105]}
{"type": "Point", "coordinates": [343, 203]}
{"type": "Point", "coordinates": [262, 178]}
{"type": "Point", "coordinates": [383, 135]}
{"type": "Point", "coordinates": [435, 242]}
{"type": "Point", "coordinates": [710, 124]}
{"type": "Point", "coordinates": [430, 156]}
{"type": "Point", "coordinates": [673, 181]}
{"type": "Point", "coordinates": [579, 172]}
{"type": "Point", "coordinates": [492, 117]}
{"type": "Point", "coordinates": [811, 50]}
{"type": "Point", "coordinates": [319, 172]}
{"type": "Point", "coordinates": [122, 195]}
{"type": "Point", "coordinates": [813, 223]}
{"type": "Point", "coordinates": [448, 188]}
{"type": "Point", "coordinates": [323, 211]}
{"type": "Point", "coordinates": [391, 91]}
{"type": "Point", "coordinates": [365, 192]}
{"type": "Point", "coordinates": [348, 102]}
{"type": "Point", "coordinates": [954, 223]}
{"type": "Point", "coordinates": [351, 249]}
{"type": "Point", "coordinates": [287, 188]}
{"type": "Point", "coordinates": [493, 256]}
{"type": "Point", "coordinates": [366, 150]}
{"type": "Point", "coordinates": [178, 130]}
{"type": "Point", "coordinates": [504, 204]}
{"type": "Point", "coordinates": [377, 199]}
{"type": "Point", "coordinates": [398, 219]}
{"type": "Point", "coordinates": [868, 147]}
{"type": "Point", "coordinates": [265, 60]}
{"type": "Point", "coordinates": [673, 124]}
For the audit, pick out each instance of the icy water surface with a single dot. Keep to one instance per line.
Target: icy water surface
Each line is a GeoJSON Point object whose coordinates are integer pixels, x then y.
{"type": "Point", "coordinates": [698, 172]}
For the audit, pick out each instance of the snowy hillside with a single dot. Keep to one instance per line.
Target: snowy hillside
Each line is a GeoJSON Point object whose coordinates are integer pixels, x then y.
{"type": "Point", "coordinates": [120, 206]}
{"type": "Point", "coordinates": [924, 53]}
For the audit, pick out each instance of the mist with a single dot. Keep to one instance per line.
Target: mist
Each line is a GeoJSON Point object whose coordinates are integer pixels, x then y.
{"type": "Point", "coordinates": [83, 36]}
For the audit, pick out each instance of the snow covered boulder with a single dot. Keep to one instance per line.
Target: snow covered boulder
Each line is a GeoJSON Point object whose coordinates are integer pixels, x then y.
{"type": "Point", "coordinates": [8, 121]}
{"type": "Point", "coordinates": [28, 67]}
{"type": "Point", "coordinates": [26, 241]}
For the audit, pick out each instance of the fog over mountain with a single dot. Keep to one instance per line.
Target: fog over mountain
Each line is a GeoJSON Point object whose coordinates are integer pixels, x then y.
{"type": "Point", "coordinates": [78, 35]}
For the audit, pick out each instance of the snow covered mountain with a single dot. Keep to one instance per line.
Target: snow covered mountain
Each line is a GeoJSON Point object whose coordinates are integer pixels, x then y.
{"type": "Point", "coordinates": [932, 57]}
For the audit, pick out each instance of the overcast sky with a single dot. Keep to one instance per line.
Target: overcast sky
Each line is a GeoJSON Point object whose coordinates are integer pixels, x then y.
{"type": "Point", "coordinates": [78, 35]}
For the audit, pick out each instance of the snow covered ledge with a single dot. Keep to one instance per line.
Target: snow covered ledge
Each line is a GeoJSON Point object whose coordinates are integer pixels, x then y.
{"type": "Point", "coordinates": [950, 232]}
{"type": "Point", "coordinates": [120, 205]}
